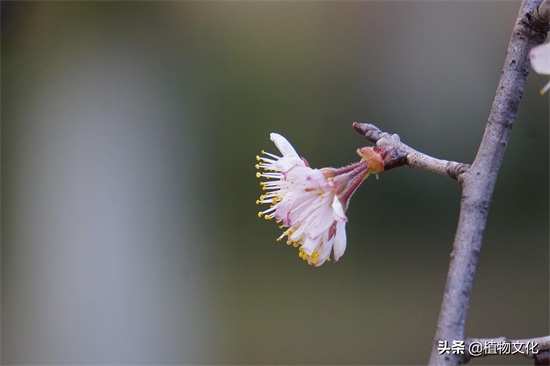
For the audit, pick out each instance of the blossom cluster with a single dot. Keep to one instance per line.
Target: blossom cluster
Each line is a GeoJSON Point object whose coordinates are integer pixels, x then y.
{"type": "Point", "coordinates": [309, 203]}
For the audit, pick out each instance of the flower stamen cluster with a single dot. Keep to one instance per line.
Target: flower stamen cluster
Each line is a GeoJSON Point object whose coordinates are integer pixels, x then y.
{"type": "Point", "coordinates": [310, 203]}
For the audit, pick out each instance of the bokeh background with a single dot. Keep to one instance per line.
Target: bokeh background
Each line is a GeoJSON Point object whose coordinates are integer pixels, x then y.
{"type": "Point", "coordinates": [129, 136]}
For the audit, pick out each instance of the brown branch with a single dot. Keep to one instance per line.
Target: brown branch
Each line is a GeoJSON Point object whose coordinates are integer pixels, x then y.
{"type": "Point", "coordinates": [415, 159]}
{"type": "Point", "coordinates": [479, 180]}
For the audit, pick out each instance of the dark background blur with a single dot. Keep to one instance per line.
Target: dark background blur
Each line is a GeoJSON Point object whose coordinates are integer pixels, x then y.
{"type": "Point", "coordinates": [129, 135]}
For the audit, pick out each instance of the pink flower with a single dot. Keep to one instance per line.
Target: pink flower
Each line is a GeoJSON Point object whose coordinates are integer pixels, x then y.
{"type": "Point", "coordinates": [310, 203]}
{"type": "Point", "coordinates": [540, 61]}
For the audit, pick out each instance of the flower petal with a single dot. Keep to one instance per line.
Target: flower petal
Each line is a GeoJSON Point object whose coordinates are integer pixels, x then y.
{"type": "Point", "coordinates": [283, 145]}
{"type": "Point", "coordinates": [286, 163]}
{"type": "Point", "coordinates": [310, 245]}
{"type": "Point", "coordinates": [540, 58]}
{"type": "Point", "coordinates": [340, 240]}
{"type": "Point", "coordinates": [339, 214]}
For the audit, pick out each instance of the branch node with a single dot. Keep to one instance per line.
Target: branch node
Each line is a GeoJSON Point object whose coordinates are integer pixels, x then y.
{"type": "Point", "coordinates": [408, 155]}
{"type": "Point", "coordinates": [539, 20]}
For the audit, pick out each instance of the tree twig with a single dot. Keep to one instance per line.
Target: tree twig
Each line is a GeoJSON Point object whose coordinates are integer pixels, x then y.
{"type": "Point", "coordinates": [415, 159]}
{"type": "Point", "coordinates": [479, 180]}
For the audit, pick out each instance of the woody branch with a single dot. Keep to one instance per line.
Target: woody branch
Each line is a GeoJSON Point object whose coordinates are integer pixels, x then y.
{"type": "Point", "coordinates": [414, 159]}
{"type": "Point", "coordinates": [478, 180]}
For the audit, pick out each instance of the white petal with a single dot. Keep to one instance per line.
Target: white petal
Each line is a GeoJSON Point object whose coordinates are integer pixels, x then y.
{"type": "Point", "coordinates": [540, 58]}
{"type": "Point", "coordinates": [340, 240]}
{"type": "Point", "coordinates": [339, 214]}
{"type": "Point", "coordinates": [316, 178]}
{"type": "Point", "coordinates": [283, 145]}
{"type": "Point", "coordinates": [288, 162]}
{"type": "Point", "coordinates": [309, 245]}
{"type": "Point", "coordinates": [320, 220]}
{"type": "Point", "coordinates": [302, 175]}
{"type": "Point", "coordinates": [324, 251]}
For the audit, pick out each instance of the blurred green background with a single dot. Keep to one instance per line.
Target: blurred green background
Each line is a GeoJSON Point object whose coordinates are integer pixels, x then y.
{"type": "Point", "coordinates": [129, 135]}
